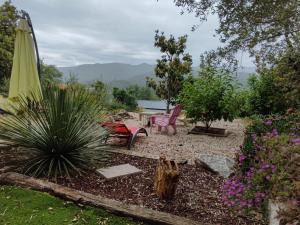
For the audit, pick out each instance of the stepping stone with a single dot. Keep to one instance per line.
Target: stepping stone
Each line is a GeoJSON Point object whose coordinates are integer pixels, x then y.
{"type": "Point", "coordinates": [118, 171]}
{"type": "Point", "coordinates": [221, 164]}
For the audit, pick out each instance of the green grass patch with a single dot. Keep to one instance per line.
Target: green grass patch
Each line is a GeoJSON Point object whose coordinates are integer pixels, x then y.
{"type": "Point", "coordinates": [19, 206]}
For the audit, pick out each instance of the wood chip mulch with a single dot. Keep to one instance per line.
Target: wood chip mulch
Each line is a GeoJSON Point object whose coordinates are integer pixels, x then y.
{"type": "Point", "coordinates": [198, 194]}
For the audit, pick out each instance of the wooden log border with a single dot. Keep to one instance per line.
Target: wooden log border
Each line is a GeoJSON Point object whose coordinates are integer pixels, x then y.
{"type": "Point", "coordinates": [79, 197]}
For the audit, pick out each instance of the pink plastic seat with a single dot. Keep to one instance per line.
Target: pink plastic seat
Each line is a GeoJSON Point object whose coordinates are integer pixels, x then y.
{"type": "Point", "coordinates": [164, 121]}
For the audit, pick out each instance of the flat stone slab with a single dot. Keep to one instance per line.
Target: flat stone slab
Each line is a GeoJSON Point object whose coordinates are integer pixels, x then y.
{"type": "Point", "coordinates": [118, 171]}
{"type": "Point", "coordinates": [221, 164]}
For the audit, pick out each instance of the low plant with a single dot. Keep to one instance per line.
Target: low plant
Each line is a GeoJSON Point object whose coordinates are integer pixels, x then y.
{"type": "Point", "coordinates": [60, 134]}
{"type": "Point", "coordinates": [267, 165]}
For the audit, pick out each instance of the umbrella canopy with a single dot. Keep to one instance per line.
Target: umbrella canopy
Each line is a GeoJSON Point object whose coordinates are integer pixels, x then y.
{"type": "Point", "coordinates": [24, 81]}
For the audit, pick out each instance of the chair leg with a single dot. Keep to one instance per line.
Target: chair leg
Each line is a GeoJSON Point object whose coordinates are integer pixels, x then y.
{"type": "Point", "coordinates": [132, 137]}
{"type": "Point", "coordinates": [175, 129]}
{"type": "Point", "coordinates": [159, 128]}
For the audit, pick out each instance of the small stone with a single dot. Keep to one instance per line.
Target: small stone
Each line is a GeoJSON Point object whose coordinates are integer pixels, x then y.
{"type": "Point", "coordinates": [117, 171]}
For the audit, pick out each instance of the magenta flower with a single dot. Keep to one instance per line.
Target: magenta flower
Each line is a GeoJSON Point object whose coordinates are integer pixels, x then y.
{"type": "Point", "coordinates": [275, 132]}
{"type": "Point", "coordinates": [268, 177]}
{"type": "Point", "coordinates": [242, 158]}
{"type": "Point", "coordinates": [295, 141]}
{"type": "Point", "coordinates": [268, 122]}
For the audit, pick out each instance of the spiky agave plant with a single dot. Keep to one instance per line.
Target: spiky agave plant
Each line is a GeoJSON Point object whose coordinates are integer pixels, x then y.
{"type": "Point", "coordinates": [60, 134]}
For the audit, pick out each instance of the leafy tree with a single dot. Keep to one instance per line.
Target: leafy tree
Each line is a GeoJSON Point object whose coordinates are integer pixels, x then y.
{"type": "Point", "coordinates": [4, 87]}
{"type": "Point", "coordinates": [123, 97]}
{"type": "Point", "coordinates": [171, 68]}
{"type": "Point", "coordinates": [142, 93]}
{"type": "Point", "coordinates": [8, 23]}
{"type": "Point", "coordinates": [50, 75]}
{"type": "Point", "coordinates": [210, 97]}
{"type": "Point", "coordinates": [100, 91]}
{"type": "Point", "coordinates": [265, 28]}
{"type": "Point", "coordinates": [73, 82]}
{"type": "Point", "coordinates": [269, 30]}
{"type": "Point", "coordinates": [266, 96]}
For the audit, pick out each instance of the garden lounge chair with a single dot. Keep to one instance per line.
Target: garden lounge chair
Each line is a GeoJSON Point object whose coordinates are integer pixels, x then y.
{"type": "Point", "coordinates": [164, 121]}
{"type": "Point", "coordinates": [121, 131]}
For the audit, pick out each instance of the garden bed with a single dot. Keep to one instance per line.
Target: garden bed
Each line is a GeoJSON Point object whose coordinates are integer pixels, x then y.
{"type": "Point", "coordinates": [198, 195]}
{"type": "Point", "coordinates": [212, 131]}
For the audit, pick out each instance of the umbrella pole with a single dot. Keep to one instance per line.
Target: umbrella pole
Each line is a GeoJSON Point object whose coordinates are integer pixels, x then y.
{"type": "Point", "coordinates": [26, 16]}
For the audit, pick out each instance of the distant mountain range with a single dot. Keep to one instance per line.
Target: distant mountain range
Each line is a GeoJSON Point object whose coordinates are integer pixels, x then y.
{"type": "Point", "coordinates": [123, 75]}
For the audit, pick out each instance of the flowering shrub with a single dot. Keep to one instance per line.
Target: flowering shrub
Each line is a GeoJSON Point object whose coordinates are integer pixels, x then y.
{"type": "Point", "coordinates": [267, 166]}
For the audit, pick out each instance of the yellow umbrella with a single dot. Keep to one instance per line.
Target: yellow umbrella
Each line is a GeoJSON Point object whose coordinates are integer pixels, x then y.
{"type": "Point", "coordinates": [24, 81]}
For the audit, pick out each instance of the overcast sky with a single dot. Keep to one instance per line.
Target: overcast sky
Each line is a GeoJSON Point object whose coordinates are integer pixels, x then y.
{"type": "Point", "coordinates": [73, 32]}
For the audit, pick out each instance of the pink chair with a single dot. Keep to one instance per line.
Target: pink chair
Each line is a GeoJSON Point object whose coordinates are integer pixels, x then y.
{"type": "Point", "coordinates": [166, 120]}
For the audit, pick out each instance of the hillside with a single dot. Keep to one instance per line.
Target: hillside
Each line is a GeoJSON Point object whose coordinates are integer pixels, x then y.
{"type": "Point", "coordinates": [123, 75]}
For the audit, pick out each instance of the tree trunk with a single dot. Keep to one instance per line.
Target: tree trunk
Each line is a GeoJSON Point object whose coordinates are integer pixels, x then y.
{"type": "Point", "coordinates": [166, 178]}
{"type": "Point", "coordinates": [168, 106]}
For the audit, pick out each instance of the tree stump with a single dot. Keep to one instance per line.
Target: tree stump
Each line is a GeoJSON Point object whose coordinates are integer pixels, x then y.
{"type": "Point", "coordinates": [166, 178]}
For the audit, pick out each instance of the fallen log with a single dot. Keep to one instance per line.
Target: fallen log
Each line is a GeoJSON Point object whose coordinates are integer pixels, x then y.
{"type": "Point", "coordinates": [143, 214]}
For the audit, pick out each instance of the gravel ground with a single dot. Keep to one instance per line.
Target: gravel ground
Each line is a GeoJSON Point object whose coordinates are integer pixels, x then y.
{"type": "Point", "coordinates": [184, 146]}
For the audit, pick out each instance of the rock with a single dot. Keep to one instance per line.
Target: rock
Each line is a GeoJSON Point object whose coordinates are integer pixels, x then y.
{"type": "Point", "coordinates": [274, 207]}
{"type": "Point", "coordinates": [217, 163]}
{"type": "Point", "coordinates": [203, 165]}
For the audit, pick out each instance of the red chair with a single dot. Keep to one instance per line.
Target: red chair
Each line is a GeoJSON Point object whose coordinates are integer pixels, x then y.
{"type": "Point", "coordinates": [120, 130]}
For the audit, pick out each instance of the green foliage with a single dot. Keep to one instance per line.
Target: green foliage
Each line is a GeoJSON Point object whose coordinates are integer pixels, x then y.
{"type": "Point", "coordinates": [268, 166]}
{"type": "Point", "coordinates": [99, 89]}
{"type": "Point", "coordinates": [50, 75]}
{"type": "Point", "coordinates": [265, 28]}
{"type": "Point", "coordinates": [8, 23]}
{"type": "Point", "coordinates": [211, 97]}
{"type": "Point", "coordinates": [21, 206]}
{"type": "Point", "coordinates": [243, 96]}
{"type": "Point", "coordinates": [60, 133]}
{"type": "Point", "coordinates": [261, 125]}
{"type": "Point", "coordinates": [171, 68]}
{"type": "Point", "coordinates": [73, 83]}
{"type": "Point", "coordinates": [122, 97]}
{"type": "Point", "coordinates": [286, 69]}
{"type": "Point", "coordinates": [4, 87]}
{"type": "Point", "coordinates": [266, 96]}
{"type": "Point", "coordinates": [142, 93]}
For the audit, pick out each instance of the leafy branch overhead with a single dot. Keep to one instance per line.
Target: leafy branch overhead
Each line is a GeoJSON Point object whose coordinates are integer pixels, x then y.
{"type": "Point", "coordinates": [264, 28]}
{"type": "Point", "coordinates": [171, 68]}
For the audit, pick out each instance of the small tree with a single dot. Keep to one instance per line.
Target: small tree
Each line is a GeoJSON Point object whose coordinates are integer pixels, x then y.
{"type": "Point", "coordinates": [210, 97]}
{"type": "Point", "coordinates": [8, 22]}
{"type": "Point", "coordinates": [122, 96]}
{"type": "Point", "coordinates": [50, 75]}
{"type": "Point", "coordinates": [171, 68]}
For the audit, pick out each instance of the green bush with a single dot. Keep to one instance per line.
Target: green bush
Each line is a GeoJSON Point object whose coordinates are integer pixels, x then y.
{"type": "Point", "coordinates": [60, 133]}
{"type": "Point", "coordinates": [267, 166]}
{"type": "Point", "coordinates": [266, 95]}
{"type": "Point", "coordinates": [124, 98]}
{"type": "Point", "coordinates": [211, 97]}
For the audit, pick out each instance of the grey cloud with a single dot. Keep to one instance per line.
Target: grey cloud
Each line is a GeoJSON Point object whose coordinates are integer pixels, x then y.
{"type": "Point", "coordinates": [73, 32]}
